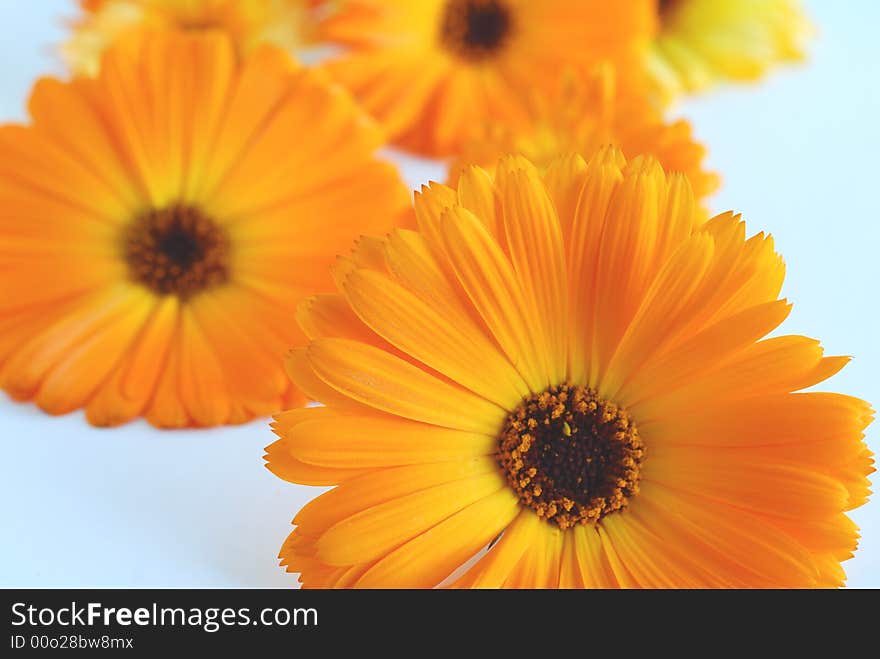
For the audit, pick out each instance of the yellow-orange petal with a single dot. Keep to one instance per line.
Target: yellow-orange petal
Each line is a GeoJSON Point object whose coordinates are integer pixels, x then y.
{"type": "Point", "coordinates": [374, 532]}
{"type": "Point", "coordinates": [425, 334]}
{"type": "Point", "coordinates": [376, 378]}
{"type": "Point", "coordinates": [431, 557]}
{"type": "Point", "coordinates": [359, 442]}
{"type": "Point", "coordinates": [490, 282]}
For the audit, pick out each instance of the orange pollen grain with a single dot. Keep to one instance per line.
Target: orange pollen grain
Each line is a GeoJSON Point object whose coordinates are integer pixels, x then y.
{"type": "Point", "coordinates": [571, 456]}
{"type": "Point", "coordinates": [176, 250]}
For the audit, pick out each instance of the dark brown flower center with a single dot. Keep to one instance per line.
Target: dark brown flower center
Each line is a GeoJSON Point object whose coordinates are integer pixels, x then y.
{"type": "Point", "coordinates": [571, 456]}
{"type": "Point", "coordinates": [176, 251]}
{"type": "Point", "coordinates": [665, 6]}
{"type": "Point", "coordinates": [475, 29]}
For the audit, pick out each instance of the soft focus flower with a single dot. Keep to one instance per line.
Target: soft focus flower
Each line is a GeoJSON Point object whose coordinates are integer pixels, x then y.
{"type": "Point", "coordinates": [434, 71]}
{"type": "Point", "coordinates": [160, 222]}
{"type": "Point", "coordinates": [563, 382]}
{"type": "Point", "coordinates": [583, 115]}
{"type": "Point", "coordinates": [703, 42]}
{"type": "Point", "coordinates": [287, 24]}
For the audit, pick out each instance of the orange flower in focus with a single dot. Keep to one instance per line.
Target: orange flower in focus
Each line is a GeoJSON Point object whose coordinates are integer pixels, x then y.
{"type": "Point", "coordinates": [562, 381]}
{"type": "Point", "coordinates": [161, 221]}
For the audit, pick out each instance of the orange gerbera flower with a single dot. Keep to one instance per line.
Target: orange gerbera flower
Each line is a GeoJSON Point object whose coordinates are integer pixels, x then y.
{"type": "Point", "coordinates": [159, 223]}
{"type": "Point", "coordinates": [580, 118]}
{"type": "Point", "coordinates": [434, 71]}
{"type": "Point", "coordinates": [287, 24]}
{"type": "Point", "coordinates": [562, 382]}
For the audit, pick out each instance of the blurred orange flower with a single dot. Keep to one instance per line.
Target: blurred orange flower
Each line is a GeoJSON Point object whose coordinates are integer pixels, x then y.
{"type": "Point", "coordinates": [583, 115]}
{"type": "Point", "coordinates": [700, 43]}
{"type": "Point", "coordinates": [161, 221]}
{"type": "Point", "coordinates": [434, 71]}
{"type": "Point", "coordinates": [287, 24]}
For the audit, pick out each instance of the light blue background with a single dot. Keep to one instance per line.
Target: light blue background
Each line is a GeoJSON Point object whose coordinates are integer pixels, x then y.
{"type": "Point", "coordinates": [137, 507]}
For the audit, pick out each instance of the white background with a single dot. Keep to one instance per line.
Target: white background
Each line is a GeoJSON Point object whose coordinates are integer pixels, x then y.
{"type": "Point", "coordinates": [138, 507]}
